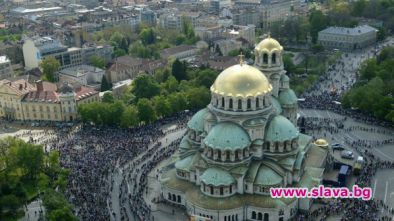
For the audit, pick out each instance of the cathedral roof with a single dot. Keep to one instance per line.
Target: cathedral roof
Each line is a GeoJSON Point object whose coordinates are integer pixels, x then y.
{"type": "Point", "coordinates": [217, 177]}
{"type": "Point", "coordinates": [241, 80]}
{"type": "Point", "coordinates": [280, 129]}
{"type": "Point", "coordinates": [269, 44]}
{"type": "Point", "coordinates": [227, 136]}
{"type": "Point", "coordinates": [197, 121]}
{"type": "Point", "coordinates": [287, 97]}
{"type": "Point", "coordinates": [267, 177]}
{"type": "Point", "coordinates": [276, 105]}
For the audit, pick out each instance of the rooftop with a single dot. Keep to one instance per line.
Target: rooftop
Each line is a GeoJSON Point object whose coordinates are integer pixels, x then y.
{"type": "Point", "coordinates": [349, 31]}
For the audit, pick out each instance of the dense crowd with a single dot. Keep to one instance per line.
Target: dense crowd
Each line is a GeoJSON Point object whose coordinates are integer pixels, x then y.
{"type": "Point", "coordinates": [94, 154]}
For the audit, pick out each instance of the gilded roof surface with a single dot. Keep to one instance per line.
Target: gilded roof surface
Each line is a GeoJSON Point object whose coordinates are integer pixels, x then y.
{"type": "Point", "coordinates": [269, 44]}
{"type": "Point", "coordinates": [280, 129]}
{"type": "Point", "coordinates": [227, 136]}
{"type": "Point", "coordinates": [321, 143]}
{"type": "Point", "coordinates": [217, 177]}
{"type": "Point", "coordinates": [241, 80]}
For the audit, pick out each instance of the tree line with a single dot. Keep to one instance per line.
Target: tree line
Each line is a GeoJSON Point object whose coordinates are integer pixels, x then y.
{"type": "Point", "coordinates": [373, 92]}
{"type": "Point", "coordinates": [151, 97]}
{"type": "Point", "coordinates": [26, 172]}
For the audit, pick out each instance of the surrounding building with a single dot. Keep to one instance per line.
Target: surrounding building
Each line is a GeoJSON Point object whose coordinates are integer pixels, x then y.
{"type": "Point", "coordinates": [85, 75]}
{"type": "Point", "coordinates": [180, 52]}
{"type": "Point", "coordinates": [20, 100]}
{"type": "Point", "coordinates": [35, 49]}
{"type": "Point", "coordinates": [347, 39]}
{"type": "Point", "coordinates": [5, 68]}
{"type": "Point", "coordinates": [242, 144]}
{"type": "Point", "coordinates": [126, 67]}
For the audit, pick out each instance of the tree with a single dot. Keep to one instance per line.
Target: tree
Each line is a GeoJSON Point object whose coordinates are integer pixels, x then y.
{"type": "Point", "coordinates": [318, 21]}
{"type": "Point", "coordinates": [129, 117]}
{"type": "Point", "coordinates": [162, 106]}
{"type": "Point", "coordinates": [145, 86]}
{"type": "Point", "coordinates": [179, 70]}
{"type": "Point", "coordinates": [105, 85]}
{"type": "Point", "coordinates": [97, 61]}
{"type": "Point", "coordinates": [108, 97]}
{"type": "Point", "coordinates": [198, 98]}
{"type": "Point", "coordinates": [206, 77]}
{"type": "Point", "coordinates": [147, 36]}
{"type": "Point", "coordinates": [146, 112]}
{"type": "Point", "coordinates": [49, 66]}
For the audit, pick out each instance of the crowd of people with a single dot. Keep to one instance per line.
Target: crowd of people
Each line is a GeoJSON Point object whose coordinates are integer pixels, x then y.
{"type": "Point", "coordinates": [94, 154]}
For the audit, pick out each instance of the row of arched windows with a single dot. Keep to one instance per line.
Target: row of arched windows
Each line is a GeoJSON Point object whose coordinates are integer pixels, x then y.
{"type": "Point", "coordinates": [231, 217]}
{"type": "Point", "coordinates": [238, 104]}
{"type": "Point", "coordinates": [226, 155]}
{"type": "Point", "coordinates": [211, 189]}
{"type": "Point", "coordinates": [260, 216]}
{"type": "Point", "coordinates": [265, 58]}
{"type": "Point", "coordinates": [174, 198]}
{"type": "Point", "coordinates": [281, 146]}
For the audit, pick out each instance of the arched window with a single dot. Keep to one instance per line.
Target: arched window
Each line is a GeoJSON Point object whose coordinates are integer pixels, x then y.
{"type": "Point", "coordinates": [236, 155]}
{"type": "Point", "coordinates": [253, 215]}
{"type": "Point", "coordinates": [249, 104]}
{"type": "Point", "coordinates": [265, 58]}
{"type": "Point", "coordinates": [225, 218]}
{"type": "Point", "coordinates": [217, 102]}
{"type": "Point", "coordinates": [260, 216]}
{"type": "Point", "coordinates": [274, 58]}
{"type": "Point", "coordinates": [211, 187]}
{"type": "Point", "coordinates": [257, 103]}
{"type": "Point", "coordinates": [179, 199]}
{"type": "Point", "coordinates": [169, 196]}
{"type": "Point", "coordinates": [239, 104]}
{"type": "Point", "coordinates": [219, 154]}
{"type": "Point", "coordinates": [266, 217]}
{"type": "Point", "coordinates": [222, 101]}
{"type": "Point", "coordinates": [231, 189]}
{"type": "Point", "coordinates": [221, 191]}
{"type": "Point", "coordinates": [227, 155]}
{"type": "Point", "coordinates": [236, 217]}
{"type": "Point", "coordinates": [264, 101]}
{"type": "Point", "coordinates": [173, 197]}
{"type": "Point", "coordinates": [231, 103]}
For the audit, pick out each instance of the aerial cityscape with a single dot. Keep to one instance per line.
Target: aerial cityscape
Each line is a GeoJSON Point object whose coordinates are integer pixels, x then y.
{"type": "Point", "coordinates": [189, 110]}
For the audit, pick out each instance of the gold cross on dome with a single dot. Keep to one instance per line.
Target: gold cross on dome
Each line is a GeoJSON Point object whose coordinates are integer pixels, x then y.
{"type": "Point", "coordinates": [241, 58]}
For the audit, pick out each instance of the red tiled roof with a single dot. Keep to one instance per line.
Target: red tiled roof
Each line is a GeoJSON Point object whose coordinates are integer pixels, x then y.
{"type": "Point", "coordinates": [42, 96]}
{"type": "Point", "coordinates": [84, 92]}
{"type": "Point", "coordinates": [20, 87]}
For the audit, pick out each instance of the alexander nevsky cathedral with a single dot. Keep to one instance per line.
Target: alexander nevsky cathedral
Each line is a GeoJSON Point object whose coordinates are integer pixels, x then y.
{"type": "Point", "coordinates": [242, 144]}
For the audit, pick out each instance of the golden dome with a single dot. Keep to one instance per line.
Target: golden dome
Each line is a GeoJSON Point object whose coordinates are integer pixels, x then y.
{"type": "Point", "coordinates": [321, 143]}
{"type": "Point", "coordinates": [241, 80]}
{"type": "Point", "coordinates": [269, 44]}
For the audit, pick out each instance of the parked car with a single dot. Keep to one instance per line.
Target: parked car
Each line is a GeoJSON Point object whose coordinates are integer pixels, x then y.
{"type": "Point", "coordinates": [337, 146]}
{"type": "Point", "coordinates": [347, 154]}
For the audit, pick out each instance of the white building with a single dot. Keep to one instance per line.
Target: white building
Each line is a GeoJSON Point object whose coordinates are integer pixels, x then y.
{"type": "Point", "coordinates": [347, 39]}
{"type": "Point", "coordinates": [37, 48]}
{"type": "Point", "coordinates": [85, 75]}
{"type": "Point", "coordinates": [5, 68]}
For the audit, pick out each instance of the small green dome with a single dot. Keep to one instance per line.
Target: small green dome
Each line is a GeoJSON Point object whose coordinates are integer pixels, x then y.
{"type": "Point", "coordinates": [267, 177]}
{"type": "Point", "coordinates": [185, 163]}
{"type": "Point", "coordinates": [284, 78]}
{"type": "Point", "coordinates": [280, 129]}
{"type": "Point", "coordinates": [227, 136]}
{"type": "Point", "coordinates": [287, 97]}
{"type": "Point", "coordinates": [197, 121]}
{"type": "Point", "coordinates": [217, 177]}
{"type": "Point", "coordinates": [276, 105]}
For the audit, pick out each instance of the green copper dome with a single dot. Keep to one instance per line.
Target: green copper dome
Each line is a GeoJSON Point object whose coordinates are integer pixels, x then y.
{"type": "Point", "coordinates": [217, 177]}
{"type": "Point", "coordinates": [267, 177]}
{"type": "Point", "coordinates": [197, 121]}
{"type": "Point", "coordinates": [227, 136]}
{"type": "Point", "coordinates": [276, 105]}
{"type": "Point", "coordinates": [280, 129]}
{"type": "Point", "coordinates": [285, 78]}
{"type": "Point", "coordinates": [287, 97]}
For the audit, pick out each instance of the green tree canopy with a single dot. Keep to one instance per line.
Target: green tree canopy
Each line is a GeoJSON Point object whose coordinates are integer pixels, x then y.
{"type": "Point", "coordinates": [145, 86]}
{"type": "Point", "coordinates": [146, 111]}
{"type": "Point", "coordinates": [49, 66]}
